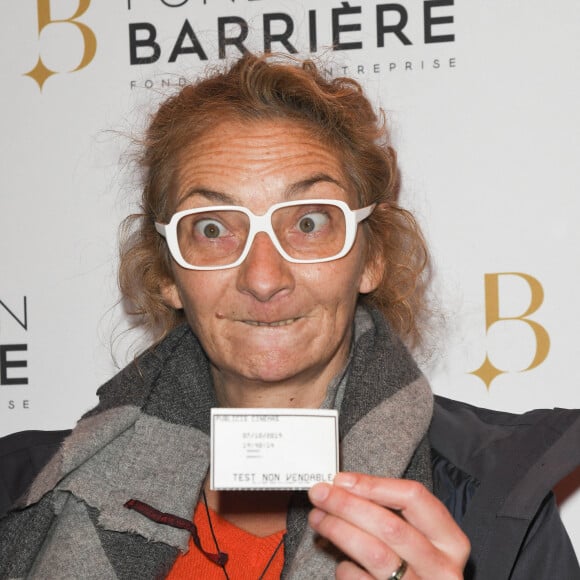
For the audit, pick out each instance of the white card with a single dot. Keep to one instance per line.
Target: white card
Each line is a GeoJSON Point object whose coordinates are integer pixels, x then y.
{"type": "Point", "coordinates": [273, 448]}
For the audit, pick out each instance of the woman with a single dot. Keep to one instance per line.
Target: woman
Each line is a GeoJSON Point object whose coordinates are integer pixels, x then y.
{"type": "Point", "coordinates": [305, 308]}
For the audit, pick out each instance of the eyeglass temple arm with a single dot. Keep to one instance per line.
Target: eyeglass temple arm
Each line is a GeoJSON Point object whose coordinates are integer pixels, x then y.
{"type": "Point", "coordinates": [161, 228]}
{"type": "Point", "coordinates": [364, 212]}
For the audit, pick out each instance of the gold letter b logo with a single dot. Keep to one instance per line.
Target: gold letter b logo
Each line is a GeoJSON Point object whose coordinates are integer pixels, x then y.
{"type": "Point", "coordinates": [41, 72]}
{"type": "Point", "coordinates": [487, 371]}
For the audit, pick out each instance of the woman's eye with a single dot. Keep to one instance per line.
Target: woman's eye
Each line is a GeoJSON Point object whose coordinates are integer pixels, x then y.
{"type": "Point", "coordinates": [312, 222]}
{"type": "Point", "coordinates": [210, 229]}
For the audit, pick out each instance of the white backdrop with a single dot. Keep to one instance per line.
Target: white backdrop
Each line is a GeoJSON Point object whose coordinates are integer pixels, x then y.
{"type": "Point", "coordinates": [482, 98]}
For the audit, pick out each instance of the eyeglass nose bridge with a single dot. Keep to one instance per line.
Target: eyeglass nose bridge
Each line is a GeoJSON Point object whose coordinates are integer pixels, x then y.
{"type": "Point", "coordinates": [262, 224]}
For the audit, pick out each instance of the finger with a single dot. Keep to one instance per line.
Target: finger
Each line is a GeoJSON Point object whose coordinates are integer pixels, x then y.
{"type": "Point", "coordinates": [376, 527]}
{"type": "Point", "coordinates": [365, 549]}
{"type": "Point", "coordinates": [348, 570]}
{"type": "Point", "coordinates": [415, 503]}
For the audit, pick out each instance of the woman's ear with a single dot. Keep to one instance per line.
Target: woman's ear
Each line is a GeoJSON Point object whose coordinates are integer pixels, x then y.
{"type": "Point", "coordinates": [372, 274]}
{"type": "Point", "coordinates": [170, 295]}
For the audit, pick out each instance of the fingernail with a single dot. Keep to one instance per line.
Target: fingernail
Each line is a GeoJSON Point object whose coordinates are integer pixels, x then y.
{"type": "Point", "coordinates": [344, 479]}
{"type": "Point", "coordinates": [319, 492]}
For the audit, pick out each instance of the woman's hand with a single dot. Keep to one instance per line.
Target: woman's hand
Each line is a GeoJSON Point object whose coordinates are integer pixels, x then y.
{"type": "Point", "coordinates": [379, 522]}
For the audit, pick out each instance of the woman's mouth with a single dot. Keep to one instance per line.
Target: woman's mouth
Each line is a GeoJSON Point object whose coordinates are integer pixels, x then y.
{"type": "Point", "coordinates": [271, 324]}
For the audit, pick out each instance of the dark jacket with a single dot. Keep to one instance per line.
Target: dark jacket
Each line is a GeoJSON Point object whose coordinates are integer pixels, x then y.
{"type": "Point", "coordinates": [493, 470]}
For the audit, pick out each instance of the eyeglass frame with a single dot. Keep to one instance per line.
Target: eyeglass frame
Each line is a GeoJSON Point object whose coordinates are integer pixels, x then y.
{"type": "Point", "coordinates": [263, 223]}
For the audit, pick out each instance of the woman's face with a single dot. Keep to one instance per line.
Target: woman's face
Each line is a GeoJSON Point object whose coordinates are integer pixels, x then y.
{"type": "Point", "coordinates": [268, 321]}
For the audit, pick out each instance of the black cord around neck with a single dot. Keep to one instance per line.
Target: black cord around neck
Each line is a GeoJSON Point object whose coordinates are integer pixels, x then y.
{"type": "Point", "coordinates": [223, 556]}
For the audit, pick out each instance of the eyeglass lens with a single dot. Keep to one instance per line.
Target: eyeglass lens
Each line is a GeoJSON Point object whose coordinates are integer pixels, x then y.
{"type": "Point", "coordinates": [305, 232]}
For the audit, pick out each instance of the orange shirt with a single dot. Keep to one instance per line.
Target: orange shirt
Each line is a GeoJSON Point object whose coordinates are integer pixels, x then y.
{"type": "Point", "coordinates": [248, 554]}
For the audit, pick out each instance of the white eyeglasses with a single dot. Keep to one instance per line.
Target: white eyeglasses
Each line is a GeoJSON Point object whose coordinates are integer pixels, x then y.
{"type": "Point", "coordinates": [304, 232]}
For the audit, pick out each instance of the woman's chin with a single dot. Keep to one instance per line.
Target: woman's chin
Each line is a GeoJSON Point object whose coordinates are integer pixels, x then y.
{"type": "Point", "coordinates": [271, 367]}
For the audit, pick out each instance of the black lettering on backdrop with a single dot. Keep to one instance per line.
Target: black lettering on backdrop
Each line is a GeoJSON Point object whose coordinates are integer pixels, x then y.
{"type": "Point", "coordinates": [279, 31]}
{"type": "Point", "coordinates": [396, 29]}
{"type": "Point", "coordinates": [148, 42]}
{"type": "Point", "coordinates": [237, 41]}
{"type": "Point", "coordinates": [338, 28]}
{"type": "Point", "coordinates": [178, 3]}
{"type": "Point", "coordinates": [194, 48]}
{"type": "Point", "coordinates": [12, 404]}
{"type": "Point", "coordinates": [174, 3]}
{"type": "Point", "coordinates": [282, 37]}
{"type": "Point", "coordinates": [6, 364]}
{"type": "Point", "coordinates": [429, 21]}
{"type": "Point", "coordinates": [312, 34]}
{"type": "Point", "coordinates": [24, 321]}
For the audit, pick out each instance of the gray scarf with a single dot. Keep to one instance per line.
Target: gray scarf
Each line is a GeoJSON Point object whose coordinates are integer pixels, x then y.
{"type": "Point", "coordinates": [148, 439]}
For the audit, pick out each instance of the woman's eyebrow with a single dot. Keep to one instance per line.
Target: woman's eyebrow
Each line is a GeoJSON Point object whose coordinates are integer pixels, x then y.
{"type": "Point", "coordinates": [305, 184]}
{"type": "Point", "coordinates": [217, 197]}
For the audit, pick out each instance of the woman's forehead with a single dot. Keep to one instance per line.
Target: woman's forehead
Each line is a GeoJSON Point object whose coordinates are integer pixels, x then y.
{"type": "Point", "coordinates": [255, 141]}
{"type": "Point", "coordinates": [280, 159]}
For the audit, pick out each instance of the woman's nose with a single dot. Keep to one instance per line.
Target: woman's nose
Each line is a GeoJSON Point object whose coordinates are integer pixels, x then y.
{"type": "Point", "coordinates": [264, 273]}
